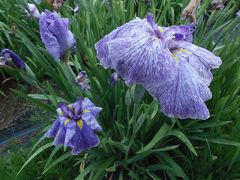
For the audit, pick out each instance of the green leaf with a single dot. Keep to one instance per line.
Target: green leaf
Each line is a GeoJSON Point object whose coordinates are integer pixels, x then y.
{"type": "Point", "coordinates": [184, 139]}
{"type": "Point", "coordinates": [57, 161]}
{"type": "Point", "coordinates": [41, 149]}
{"type": "Point", "coordinates": [156, 139]}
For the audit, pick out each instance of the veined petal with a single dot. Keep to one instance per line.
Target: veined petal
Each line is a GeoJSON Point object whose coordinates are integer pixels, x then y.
{"type": "Point", "coordinates": [142, 59]}
{"type": "Point", "coordinates": [91, 121]}
{"type": "Point", "coordinates": [200, 59]}
{"type": "Point", "coordinates": [206, 57]}
{"type": "Point", "coordinates": [183, 96]}
{"type": "Point", "coordinates": [83, 140]}
{"type": "Point", "coordinates": [133, 28]}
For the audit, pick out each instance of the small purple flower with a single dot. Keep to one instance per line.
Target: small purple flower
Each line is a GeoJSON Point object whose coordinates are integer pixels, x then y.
{"type": "Point", "coordinates": [164, 60]}
{"type": "Point", "coordinates": [76, 126]}
{"type": "Point", "coordinates": [9, 58]}
{"type": "Point", "coordinates": [32, 11]}
{"type": "Point", "coordinates": [55, 34]}
{"type": "Point", "coordinates": [82, 81]}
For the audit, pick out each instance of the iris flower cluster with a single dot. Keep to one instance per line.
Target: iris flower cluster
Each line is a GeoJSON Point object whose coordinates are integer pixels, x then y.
{"type": "Point", "coordinates": [174, 71]}
{"type": "Point", "coordinates": [76, 126]}
{"type": "Point", "coordinates": [163, 59]}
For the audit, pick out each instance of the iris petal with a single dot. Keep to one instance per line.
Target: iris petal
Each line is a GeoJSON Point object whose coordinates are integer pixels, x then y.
{"type": "Point", "coordinates": [183, 96]}
{"type": "Point", "coordinates": [141, 60]}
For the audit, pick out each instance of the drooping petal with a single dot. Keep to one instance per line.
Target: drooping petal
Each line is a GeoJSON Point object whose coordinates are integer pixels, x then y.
{"type": "Point", "coordinates": [183, 96]}
{"type": "Point", "coordinates": [201, 60]}
{"type": "Point", "coordinates": [59, 139]}
{"type": "Point", "coordinates": [142, 59]}
{"type": "Point", "coordinates": [133, 29]}
{"type": "Point", "coordinates": [83, 140]}
{"type": "Point", "coordinates": [52, 131]}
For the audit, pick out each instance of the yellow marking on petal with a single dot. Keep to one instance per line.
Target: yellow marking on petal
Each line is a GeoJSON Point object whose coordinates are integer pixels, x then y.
{"type": "Point", "coordinates": [86, 110]}
{"type": "Point", "coordinates": [80, 123]}
{"type": "Point", "coordinates": [70, 106]}
{"type": "Point", "coordinates": [61, 113]}
{"type": "Point", "coordinates": [161, 29]}
{"type": "Point", "coordinates": [185, 51]}
{"type": "Point", "coordinates": [175, 57]}
{"type": "Point", "coordinates": [66, 121]}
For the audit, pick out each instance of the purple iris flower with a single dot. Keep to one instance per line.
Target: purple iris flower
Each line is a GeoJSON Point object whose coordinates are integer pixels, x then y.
{"type": "Point", "coordinates": [76, 126]}
{"type": "Point", "coordinates": [56, 36]}
{"type": "Point", "coordinates": [83, 81]}
{"type": "Point", "coordinates": [164, 60]}
{"type": "Point", "coordinates": [9, 58]}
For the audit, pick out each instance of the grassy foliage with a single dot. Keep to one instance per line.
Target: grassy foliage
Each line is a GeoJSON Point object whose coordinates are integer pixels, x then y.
{"type": "Point", "coordinates": [137, 140]}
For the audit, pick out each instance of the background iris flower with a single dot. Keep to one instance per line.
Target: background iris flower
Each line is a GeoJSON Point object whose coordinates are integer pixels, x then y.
{"type": "Point", "coordinates": [56, 36]}
{"type": "Point", "coordinates": [76, 125]}
{"type": "Point", "coordinates": [9, 58]}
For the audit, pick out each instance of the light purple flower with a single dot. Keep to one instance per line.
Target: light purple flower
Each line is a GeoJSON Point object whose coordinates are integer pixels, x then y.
{"type": "Point", "coordinates": [9, 58]}
{"type": "Point", "coordinates": [32, 11]}
{"type": "Point", "coordinates": [164, 60]}
{"type": "Point", "coordinates": [76, 126]}
{"type": "Point", "coordinates": [56, 36]}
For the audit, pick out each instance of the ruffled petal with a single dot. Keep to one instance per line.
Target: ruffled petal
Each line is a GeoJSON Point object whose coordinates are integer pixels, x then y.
{"type": "Point", "coordinates": [133, 29]}
{"type": "Point", "coordinates": [200, 59]}
{"type": "Point", "coordinates": [142, 59]}
{"type": "Point", "coordinates": [183, 96]}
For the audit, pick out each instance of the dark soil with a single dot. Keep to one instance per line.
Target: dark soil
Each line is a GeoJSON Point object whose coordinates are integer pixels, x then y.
{"type": "Point", "coordinates": [11, 106]}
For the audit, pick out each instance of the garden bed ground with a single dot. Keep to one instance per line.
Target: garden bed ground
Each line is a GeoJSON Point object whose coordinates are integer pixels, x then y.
{"type": "Point", "coordinates": [19, 119]}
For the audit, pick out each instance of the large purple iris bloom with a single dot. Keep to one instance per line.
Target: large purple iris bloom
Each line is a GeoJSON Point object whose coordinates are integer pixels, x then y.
{"type": "Point", "coordinates": [55, 34]}
{"type": "Point", "coordinates": [164, 60]}
{"type": "Point", "coordinates": [9, 58]}
{"type": "Point", "coordinates": [76, 126]}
